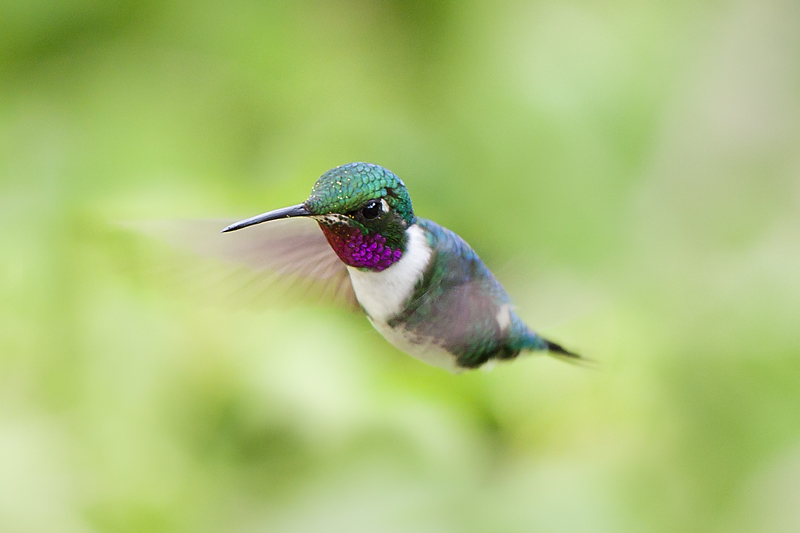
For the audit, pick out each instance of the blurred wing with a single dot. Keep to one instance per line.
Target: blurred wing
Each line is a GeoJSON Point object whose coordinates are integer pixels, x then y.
{"type": "Point", "coordinates": [291, 252]}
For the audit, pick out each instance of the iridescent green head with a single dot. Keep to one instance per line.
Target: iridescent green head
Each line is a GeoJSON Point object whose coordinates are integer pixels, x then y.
{"type": "Point", "coordinates": [347, 189]}
{"type": "Point", "coordinates": [363, 210]}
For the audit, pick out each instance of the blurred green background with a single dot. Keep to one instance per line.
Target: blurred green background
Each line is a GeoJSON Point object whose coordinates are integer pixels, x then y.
{"type": "Point", "coordinates": [630, 170]}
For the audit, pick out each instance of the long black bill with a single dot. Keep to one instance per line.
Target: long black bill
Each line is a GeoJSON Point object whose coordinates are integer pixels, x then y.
{"type": "Point", "coordinates": [287, 212]}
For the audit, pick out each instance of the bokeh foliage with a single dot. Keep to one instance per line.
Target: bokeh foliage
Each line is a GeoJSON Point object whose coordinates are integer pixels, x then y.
{"type": "Point", "coordinates": [631, 170]}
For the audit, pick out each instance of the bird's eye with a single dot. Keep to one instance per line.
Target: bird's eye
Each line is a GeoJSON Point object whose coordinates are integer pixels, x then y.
{"type": "Point", "coordinates": [372, 210]}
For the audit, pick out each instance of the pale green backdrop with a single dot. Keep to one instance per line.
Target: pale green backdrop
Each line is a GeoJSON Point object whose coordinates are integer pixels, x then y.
{"type": "Point", "coordinates": [631, 170]}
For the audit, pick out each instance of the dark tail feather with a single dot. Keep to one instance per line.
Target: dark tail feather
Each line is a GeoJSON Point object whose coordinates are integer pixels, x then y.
{"type": "Point", "coordinates": [532, 341]}
{"type": "Point", "coordinates": [559, 352]}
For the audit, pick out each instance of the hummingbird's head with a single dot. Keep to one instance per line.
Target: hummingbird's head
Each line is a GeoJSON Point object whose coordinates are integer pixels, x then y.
{"type": "Point", "coordinates": [363, 210]}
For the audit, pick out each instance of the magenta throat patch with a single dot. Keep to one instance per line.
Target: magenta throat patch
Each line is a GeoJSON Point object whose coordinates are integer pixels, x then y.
{"type": "Point", "coordinates": [358, 250]}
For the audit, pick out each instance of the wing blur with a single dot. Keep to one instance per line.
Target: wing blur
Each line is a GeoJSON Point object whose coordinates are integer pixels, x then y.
{"type": "Point", "coordinates": [290, 253]}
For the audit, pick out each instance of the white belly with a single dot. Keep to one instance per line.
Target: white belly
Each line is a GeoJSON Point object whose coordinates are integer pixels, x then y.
{"type": "Point", "coordinates": [424, 351]}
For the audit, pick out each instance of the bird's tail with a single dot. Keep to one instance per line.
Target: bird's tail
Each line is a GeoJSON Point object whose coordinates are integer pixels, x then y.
{"type": "Point", "coordinates": [537, 343]}
{"type": "Point", "coordinates": [559, 352]}
{"type": "Point", "coordinates": [527, 340]}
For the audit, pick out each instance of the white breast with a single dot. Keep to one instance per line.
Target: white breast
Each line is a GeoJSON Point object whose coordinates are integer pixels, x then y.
{"type": "Point", "coordinates": [384, 294]}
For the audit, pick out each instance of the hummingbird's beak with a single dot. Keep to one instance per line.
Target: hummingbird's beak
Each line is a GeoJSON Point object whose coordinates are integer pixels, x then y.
{"type": "Point", "coordinates": [298, 210]}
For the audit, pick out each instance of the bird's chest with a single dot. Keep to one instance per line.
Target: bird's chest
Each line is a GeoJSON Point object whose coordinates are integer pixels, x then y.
{"type": "Point", "coordinates": [384, 294]}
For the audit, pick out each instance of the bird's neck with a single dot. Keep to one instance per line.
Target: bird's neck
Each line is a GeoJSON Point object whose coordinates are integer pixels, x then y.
{"type": "Point", "coordinates": [384, 294]}
{"type": "Point", "coordinates": [370, 251]}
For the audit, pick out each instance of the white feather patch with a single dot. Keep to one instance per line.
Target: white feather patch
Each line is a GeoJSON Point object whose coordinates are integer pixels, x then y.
{"type": "Point", "coordinates": [504, 317]}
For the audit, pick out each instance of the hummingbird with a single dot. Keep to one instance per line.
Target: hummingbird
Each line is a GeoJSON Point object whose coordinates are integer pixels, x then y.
{"type": "Point", "coordinates": [421, 286]}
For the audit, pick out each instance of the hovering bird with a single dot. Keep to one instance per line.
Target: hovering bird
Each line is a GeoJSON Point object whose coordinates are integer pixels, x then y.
{"type": "Point", "coordinates": [421, 286]}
